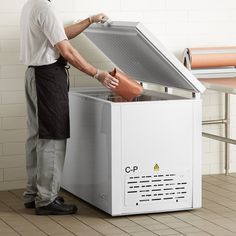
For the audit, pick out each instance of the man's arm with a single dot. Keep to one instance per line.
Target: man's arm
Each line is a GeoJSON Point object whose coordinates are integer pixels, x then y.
{"type": "Point", "coordinates": [75, 59]}
{"type": "Point", "coordinates": [73, 30]}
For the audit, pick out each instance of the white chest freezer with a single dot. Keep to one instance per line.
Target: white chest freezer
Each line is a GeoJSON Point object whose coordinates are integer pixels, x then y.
{"type": "Point", "coordinates": [142, 156]}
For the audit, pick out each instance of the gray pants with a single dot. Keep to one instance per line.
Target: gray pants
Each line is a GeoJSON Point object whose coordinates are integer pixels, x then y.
{"type": "Point", "coordinates": [44, 157]}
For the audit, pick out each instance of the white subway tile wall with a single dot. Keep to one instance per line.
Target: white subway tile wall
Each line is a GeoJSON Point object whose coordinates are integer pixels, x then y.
{"type": "Point", "coordinates": [177, 24]}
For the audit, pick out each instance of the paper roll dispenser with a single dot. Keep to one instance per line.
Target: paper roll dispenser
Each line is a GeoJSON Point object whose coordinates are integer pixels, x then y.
{"type": "Point", "coordinates": [210, 62]}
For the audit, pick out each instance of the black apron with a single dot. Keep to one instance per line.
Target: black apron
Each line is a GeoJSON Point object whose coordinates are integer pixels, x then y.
{"type": "Point", "coordinates": [52, 84]}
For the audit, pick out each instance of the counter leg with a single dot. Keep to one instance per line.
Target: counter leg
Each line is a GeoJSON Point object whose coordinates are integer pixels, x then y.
{"type": "Point", "coordinates": [227, 132]}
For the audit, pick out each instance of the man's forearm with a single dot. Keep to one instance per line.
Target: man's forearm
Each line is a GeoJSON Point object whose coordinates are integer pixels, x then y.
{"type": "Point", "coordinates": [74, 58]}
{"type": "Point", "coordinates": [73, 30]}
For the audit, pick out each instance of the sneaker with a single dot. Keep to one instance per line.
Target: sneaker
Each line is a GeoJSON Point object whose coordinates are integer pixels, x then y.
{"type": "Point", "coordinates": [31, 205]}
{"type": "Point", "coordinates": [56, 208]}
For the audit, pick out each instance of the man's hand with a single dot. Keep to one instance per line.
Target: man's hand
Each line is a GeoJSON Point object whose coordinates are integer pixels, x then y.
{"type": "Point", "coordinates": [106, 79]}
{"type": "Point", "coordinates": [98, 18]}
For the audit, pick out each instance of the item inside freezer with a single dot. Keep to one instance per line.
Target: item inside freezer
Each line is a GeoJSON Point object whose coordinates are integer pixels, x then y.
{"type": "Point", "coordinates": [127, 88]}
{"type": "Point", "coordinates": [146, 96]}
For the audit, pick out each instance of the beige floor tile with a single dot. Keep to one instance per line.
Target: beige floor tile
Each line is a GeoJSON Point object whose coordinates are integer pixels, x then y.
{"type": "Point", "coordinates": [180, 224]}
{"type": "Point", "coordinates": [62, 234]}
{"type": "Point", "coordinates": [99, 225]}
{"type": "Point", "coordinates": [74, 225]}
{"type": "Point", "coordinates": [189, 229]}
{"type": "Point", "coordinates": [32, 233]}
{"type": "Point", "coordinates": [11, 234]}
{"type": "Point", "coordinates": [134, 229]}
{"type": "Point", "coordinates": [157, 226]}
{"type": "Point", "coordinates": [108, 229]}
{"type": "Point", "coordinates": [19, 224]}
{"type": "Point", "coordinates": [146, 233]}
{"type": "Point", "coordinates": [165, 218]}
{"type": "Point", "coordinates": [138, 217]}
{"type": "Point", "coordinates": [225, 223]}
{"type": "Point", "coordinates": [123, 234]}
{"type": "Point", "coordinates": [47, 225]}
{"type": "Point", "coordinates": [199, 234]}
{"type": "Point", "coordinates": [146, 222]}
{"type": "Point", "coordinates": [4, 228]}
{"type": "Point", "coordinates": [121, 222]}
{"type": "Point", "coordinates": [216, 230]}
{"type": "Point", "coordinates": [233, 218]}
{"type": "Point", "coordinates": [164, 232]}
{"type": "Point", "coordinates": [206, 214]}
{"type": "Point", "coordinates": [216, 218]}
{"type": "Point", "coordinates": [177, 234]}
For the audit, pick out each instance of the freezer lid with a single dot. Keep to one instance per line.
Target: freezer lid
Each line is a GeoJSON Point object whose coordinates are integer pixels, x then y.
{"type": "Point", "coordinates": [131, 47]}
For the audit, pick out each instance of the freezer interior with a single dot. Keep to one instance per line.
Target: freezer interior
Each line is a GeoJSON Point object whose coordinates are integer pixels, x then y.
{"type": "Point", "coordinates": [146, 96]}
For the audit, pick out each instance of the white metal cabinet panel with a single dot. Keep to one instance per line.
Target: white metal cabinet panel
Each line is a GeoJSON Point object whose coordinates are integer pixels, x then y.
{"type": "Point", "coordinates": [116, 164]}
{"type": "Point", "coordinates": [197, 153]}
{"type": "Point", "coordinates": [87, 171]}
{"type": "Point", "coordinates": [152, 135]}
{"type": "Point", "coordinates": [148, 128]}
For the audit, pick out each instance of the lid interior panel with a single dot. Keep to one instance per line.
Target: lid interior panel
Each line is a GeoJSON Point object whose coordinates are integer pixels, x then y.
{"type": "Point", "coordinates": [132, 52]}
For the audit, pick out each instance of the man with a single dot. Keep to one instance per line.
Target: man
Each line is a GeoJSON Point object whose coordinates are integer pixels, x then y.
{"type": "Point", "coordinates": [44, 48]}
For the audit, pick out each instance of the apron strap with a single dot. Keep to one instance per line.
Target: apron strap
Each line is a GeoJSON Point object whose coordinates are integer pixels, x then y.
{"type": "Point", "coordinates": [67, 67]}
{"type": "Point", "coordinates": [61, 61]}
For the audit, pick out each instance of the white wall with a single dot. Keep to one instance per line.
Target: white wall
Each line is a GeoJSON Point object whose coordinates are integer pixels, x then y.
{"type": "Point", "coordinates": [177, 24]}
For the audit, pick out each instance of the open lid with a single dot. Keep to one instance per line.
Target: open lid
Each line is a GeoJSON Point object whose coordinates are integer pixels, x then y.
{"type": "Point", "coordinates": [131, 47]}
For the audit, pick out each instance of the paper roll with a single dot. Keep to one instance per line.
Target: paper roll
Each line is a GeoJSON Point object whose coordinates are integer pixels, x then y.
{"type": "Point", "coordinates": [227, 82]}
{"type": "Point", "coordinates": [211, 57]}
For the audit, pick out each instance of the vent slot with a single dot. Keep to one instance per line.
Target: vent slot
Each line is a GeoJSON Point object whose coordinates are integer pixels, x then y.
{"type": "Point", "coordinates": [166, 187]}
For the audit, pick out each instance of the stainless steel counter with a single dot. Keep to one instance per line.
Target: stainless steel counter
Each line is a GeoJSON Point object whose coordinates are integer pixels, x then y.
{"type": "Point", "coordinates": [227, 86]}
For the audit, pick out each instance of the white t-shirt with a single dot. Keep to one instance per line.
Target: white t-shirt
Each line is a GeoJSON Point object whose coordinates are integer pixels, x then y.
{"type": "Point", "coordinates": [40, 30]}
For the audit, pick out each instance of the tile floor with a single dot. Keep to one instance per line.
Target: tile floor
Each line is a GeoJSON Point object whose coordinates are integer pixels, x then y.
{"type": "Point", "coordinates": [217, 217]}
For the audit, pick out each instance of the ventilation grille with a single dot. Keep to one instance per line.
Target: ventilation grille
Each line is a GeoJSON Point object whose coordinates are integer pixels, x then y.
{"type": "Point", "coordinates": [157, 188]}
